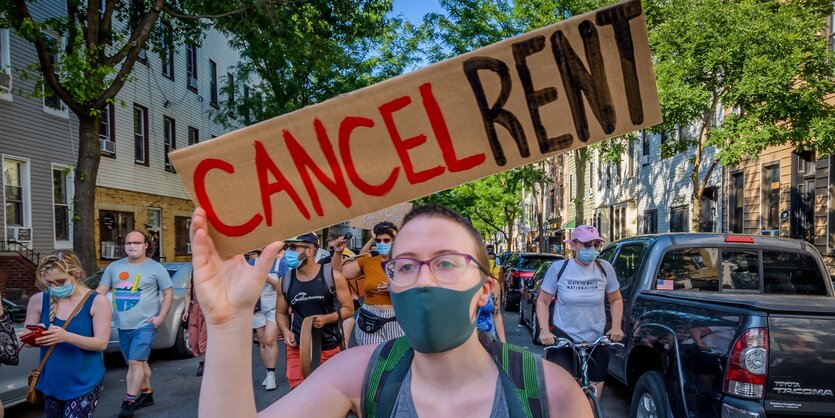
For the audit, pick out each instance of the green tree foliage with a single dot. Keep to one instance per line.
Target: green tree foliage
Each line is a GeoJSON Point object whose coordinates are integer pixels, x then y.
{"type": "Point", "coordinates": [467, 25]}
{"type": "Point", "coordinates": [768, 61]}
{"type": "Point", "coordinates": [301, 53]}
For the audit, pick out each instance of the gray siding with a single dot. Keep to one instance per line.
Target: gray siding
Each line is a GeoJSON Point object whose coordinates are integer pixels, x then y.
{"type": "Point", "coordinates": [29, 133]}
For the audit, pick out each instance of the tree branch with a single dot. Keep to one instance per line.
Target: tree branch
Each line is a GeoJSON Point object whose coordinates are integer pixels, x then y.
{"type": "Point", "coordinates": [490, 224]}
{"type": "Point", "coordinates": [180, 15]}
{"type": "Point", "coordinates": [107, 19]}
{"type": "Point", "coordinates": [47, 68]}
{"type": "Point", "coordinates": [140, 34]}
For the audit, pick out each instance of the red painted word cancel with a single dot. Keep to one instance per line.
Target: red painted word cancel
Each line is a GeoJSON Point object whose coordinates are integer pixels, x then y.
{"type": "Point", "coordinates": [552, 90]}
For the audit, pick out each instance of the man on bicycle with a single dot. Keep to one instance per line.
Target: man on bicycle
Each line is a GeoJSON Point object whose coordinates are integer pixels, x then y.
{"type": "Point", "coordinates": [580, 286]}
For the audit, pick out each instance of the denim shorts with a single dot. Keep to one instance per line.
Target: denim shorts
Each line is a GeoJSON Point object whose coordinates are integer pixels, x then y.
{"type": "Point", "coordinates": [136, 343]}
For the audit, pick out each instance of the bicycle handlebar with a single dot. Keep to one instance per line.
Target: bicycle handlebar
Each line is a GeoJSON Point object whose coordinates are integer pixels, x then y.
{"type": "Point", "coordinates": [565, 342]}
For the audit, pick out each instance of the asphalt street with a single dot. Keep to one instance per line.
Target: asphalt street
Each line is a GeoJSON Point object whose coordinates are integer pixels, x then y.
{"type": "Point", "coordinates": [177, 388]}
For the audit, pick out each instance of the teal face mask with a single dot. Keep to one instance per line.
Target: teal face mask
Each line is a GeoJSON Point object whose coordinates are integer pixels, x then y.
{"type": "Point", "coordinates": [62, 291]}
{"type": "Point", "coordinates": [435, 319]}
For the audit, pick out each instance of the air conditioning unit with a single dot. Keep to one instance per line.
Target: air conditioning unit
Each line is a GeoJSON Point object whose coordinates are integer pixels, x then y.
{"type": "Point", "coordinates": [188, 248]}
{"type": "Point", "coordinates": [644, 159]}
{"type": "Point", "coordinates": [108, 146]}
{"type": "Point", "coordinates": [18, 233]}
{"type": "Point", "coordinates": [770, 232]}
{"type": "Point", "coordinates": [591, 191]}
{"type": "Point", "coordinates": [5, 82]}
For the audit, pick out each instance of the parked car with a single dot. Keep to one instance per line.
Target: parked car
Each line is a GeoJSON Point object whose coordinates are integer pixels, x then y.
{"type": "Point", "coordinates": [724, 325]}
{"type": "Point", "coordinates": [527, 301]}
{"type": "Point", "coordinates": [521, 266]}
{"type": "Point", "coordinates": [171, 334]}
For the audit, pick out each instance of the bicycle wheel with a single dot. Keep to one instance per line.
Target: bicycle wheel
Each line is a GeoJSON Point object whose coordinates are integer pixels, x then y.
{"type": "Point", "coordinates": [595, 404]}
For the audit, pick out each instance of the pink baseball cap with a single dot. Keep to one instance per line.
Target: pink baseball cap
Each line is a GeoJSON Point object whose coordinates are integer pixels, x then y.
{"type": "Point", "coordinates": [585, 233]}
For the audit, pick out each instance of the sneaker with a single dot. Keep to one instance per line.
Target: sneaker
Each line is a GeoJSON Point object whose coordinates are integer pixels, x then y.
{"type": "Point", "coordinates": [200, 369]}
{"type": "Point", "coordinates": [144, 399]}
{"type": "Point", "coordinates": [127, 409]}
{"type": "Point", "coordinates": [270, 381]}
{"type": "Point", "coordinates": [264, 382]}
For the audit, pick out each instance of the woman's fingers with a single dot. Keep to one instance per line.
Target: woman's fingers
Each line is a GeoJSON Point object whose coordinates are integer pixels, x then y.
{"type": "Point", "coordinates": [267, 258]}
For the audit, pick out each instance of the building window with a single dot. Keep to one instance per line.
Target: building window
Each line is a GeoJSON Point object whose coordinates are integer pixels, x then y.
{"type": "Point", "coordinates": [61, 185]}
{"type": "Point", "coordinates": [191, 67]}
{"type": "Point", "coordinates": [230, 85]}
{"type": "Point", "coordinates": [678, 219]}
{"type": "Point", "coordinates": [193, 135]}
{"type": "Point", "coordinates": [5, 66]}
{"type": "Point", "coordinates": [246, 113]}
{"type": "Point", "coordinates": [591, 176]}
{"type": "Point", "coordinates": [571, 190]}
{"type": "Point", "coordinates": [832, 31]}
{"type": "Point", "coordinates": [645, 143]}
{"type": "Point", "coordinates": [16, 188]}
{"type": "Point", "coordinates": [167, 54]}
{"type": "Point", "coordinates": [213, 84]}
{"type": "Point", "coordinates": [736, 203]}
{"type": "Point", "coordinates": [182, 246]}
{"type": "Point", "coordinates": [113, 227]}
{"type": "Point", "coordinates": [107, 130]}
{"type": "Point", "coordinates": [140, 134]}
{"type": "Point", "coordinates": [650, 223]}
{"type": "Point", "coordinates": [169, 140]}
{"type": "Point", "coordinates": [51, 103]}
{"type": "Point", "coordinates": [630, 154]}
{"type": "Point", "coordinates": [771, 197]}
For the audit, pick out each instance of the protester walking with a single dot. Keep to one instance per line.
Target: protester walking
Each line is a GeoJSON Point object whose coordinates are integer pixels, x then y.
{"type": "Point", "coordinates": [310, 290]}
{"type": "Point", "coordinates": [490, 318]}
{"type": "Point", "coordinates": [264, 320]}
{"type": "Point", "coordinates": [137, 282]}
{"type": "Point", "coordinates": [376, 321]}
{"type": "Point", "coordinates": [77, 329]}
{"type": "Point", "coordinates": [196, 325]}
{"type": "Point", "coordinates": [441, 368]}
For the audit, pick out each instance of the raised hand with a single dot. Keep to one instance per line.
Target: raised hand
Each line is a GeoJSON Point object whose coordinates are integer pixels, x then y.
{"type": "Point", "coordinates": [226, 289]}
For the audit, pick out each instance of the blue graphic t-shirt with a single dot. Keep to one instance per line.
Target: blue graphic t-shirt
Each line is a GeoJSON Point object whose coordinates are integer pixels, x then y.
{"type": "Point", "coordinates": [136, 291]}
{"type": "Point", "coordinates": [485, 316]}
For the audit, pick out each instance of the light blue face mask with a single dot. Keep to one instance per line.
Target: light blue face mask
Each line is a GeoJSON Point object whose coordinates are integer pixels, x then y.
{"type": "Point", "coordinates": [62, 291]}
{"type": "Point", "coordinates": [384, 248]}
{"type": "Point", "coordinates": [292, 259]}
{"type": "Point", "coordinates": [588, 255]}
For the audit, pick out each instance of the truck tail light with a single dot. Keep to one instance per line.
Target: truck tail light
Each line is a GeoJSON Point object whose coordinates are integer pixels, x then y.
{"type": "Point", "coordinates": [748, 364]}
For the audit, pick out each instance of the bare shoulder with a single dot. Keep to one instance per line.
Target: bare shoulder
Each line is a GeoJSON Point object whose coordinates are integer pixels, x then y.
{"type": "Point", "coordinates": [35, 301]}
{"type": "Point", "coordinates": [565, 399]}
{"type": "Point", "coordinates": [335, 387]}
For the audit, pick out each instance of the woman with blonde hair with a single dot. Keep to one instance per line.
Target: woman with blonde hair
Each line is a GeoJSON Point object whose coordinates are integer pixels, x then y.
{"type": "Point", "coordinates": [71, 378]}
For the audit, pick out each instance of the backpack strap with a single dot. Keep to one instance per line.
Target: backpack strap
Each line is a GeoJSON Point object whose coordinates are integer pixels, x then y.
{"type": "Point", "coordinates": [522, 378]}
{"type": "Point", "coordinates": [328, 273]}
{"type": "Point", "coordinates": [562, 269]}
{"type": "Point", "coordinates": [285, 284]}
{"type": "Point", "coordinates": [600, 264]}
{"type": "Point", "coordinates": [384, 375]}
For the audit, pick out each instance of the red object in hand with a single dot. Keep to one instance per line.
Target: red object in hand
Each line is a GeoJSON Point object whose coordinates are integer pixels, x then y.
{"type": "Point", "coordinates": [36, 332]}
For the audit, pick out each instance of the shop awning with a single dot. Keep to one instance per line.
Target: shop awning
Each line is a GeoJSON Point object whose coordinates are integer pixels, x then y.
{"type": "Point", "coordinates": [570, 224]}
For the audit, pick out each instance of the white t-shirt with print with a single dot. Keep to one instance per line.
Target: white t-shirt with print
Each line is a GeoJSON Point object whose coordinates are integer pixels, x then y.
{"type": "Point", "coordinates": [581, 292]}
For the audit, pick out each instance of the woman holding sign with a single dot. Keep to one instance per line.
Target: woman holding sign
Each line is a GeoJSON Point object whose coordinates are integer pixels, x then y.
{"type": "Point", "coordinates": [376, 322]}
{"type": "Point", "coordinates": [442, 367]}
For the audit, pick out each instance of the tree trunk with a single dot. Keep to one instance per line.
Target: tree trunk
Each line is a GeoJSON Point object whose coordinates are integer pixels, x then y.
{"type": "Point", "coordinates": [580, 157]}
{"type": "Point", "coordinates": [86, 171]}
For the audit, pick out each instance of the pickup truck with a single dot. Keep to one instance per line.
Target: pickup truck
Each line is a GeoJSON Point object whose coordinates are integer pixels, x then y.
{"type": "Point", "coordinates": [724, 326]}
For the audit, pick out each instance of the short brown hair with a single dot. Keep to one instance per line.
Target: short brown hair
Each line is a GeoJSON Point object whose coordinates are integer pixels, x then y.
{"type": "Point", "coordinates": [434, 210]}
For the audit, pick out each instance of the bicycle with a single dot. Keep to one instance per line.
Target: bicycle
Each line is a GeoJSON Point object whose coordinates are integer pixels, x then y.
{"type": "Point", "coordinates": [584, 350]}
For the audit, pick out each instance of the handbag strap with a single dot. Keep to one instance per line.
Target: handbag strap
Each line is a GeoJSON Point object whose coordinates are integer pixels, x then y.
{"type": "Point", "coordinates": [66, 324]}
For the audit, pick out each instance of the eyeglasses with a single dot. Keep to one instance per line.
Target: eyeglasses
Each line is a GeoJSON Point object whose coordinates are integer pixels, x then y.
{"type": "Point", "coordinates": [58, 283]}
{"type": "Point", "coordinates": [590, 244]}
{"type": "Point", "coordinates": [385, 240]}
{"type": "Point", "coordinates": [447, 268]}
{"type": "Point", "coordinates": [133, 243]}
{"type": "Point", "coordinates": [294, 247]}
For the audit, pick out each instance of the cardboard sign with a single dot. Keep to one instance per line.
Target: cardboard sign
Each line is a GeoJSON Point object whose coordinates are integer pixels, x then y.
{"type": "Point", "coordinates": [393, 214]}
{"type": "Point", "coordinates": [515, 102]}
